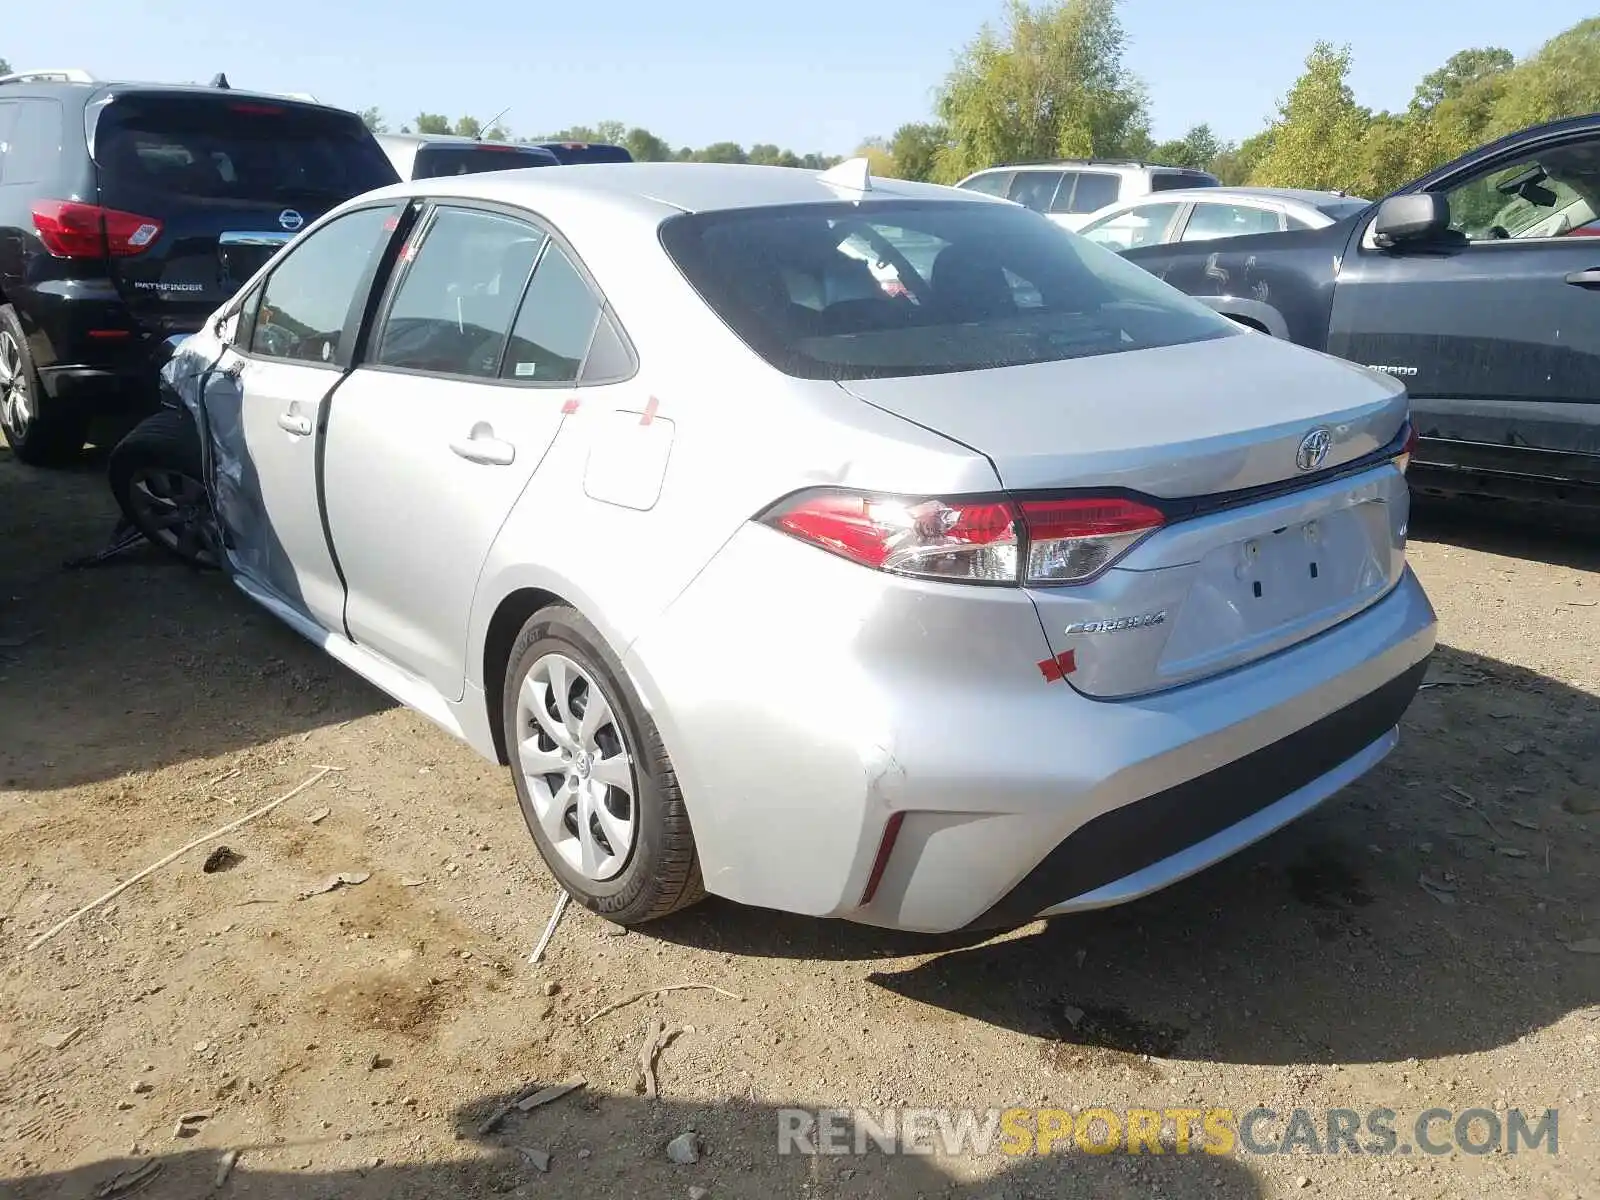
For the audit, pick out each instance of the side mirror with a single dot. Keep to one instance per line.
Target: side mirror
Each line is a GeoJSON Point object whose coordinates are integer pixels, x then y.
{"type": "Point", "coordinates": [1419, 217]}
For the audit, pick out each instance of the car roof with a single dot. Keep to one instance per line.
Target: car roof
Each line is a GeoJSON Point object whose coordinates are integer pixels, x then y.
{"type": "Point", "coordinates": [682, 186]}
{"type": "Point", "coordinates": [1214, 194]}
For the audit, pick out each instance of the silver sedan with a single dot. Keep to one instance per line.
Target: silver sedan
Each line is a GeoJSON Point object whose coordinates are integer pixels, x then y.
{"type": "Point", "coordinates": [857, 548]}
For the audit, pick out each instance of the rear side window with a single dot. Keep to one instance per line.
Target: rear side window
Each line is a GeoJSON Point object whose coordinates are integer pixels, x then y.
{"type": "Point", "coordinates": [457, 298]}
{"type": "Point", "coordinates": [434, 162]}
{"type": "Point", "coordinates": [1095, 190]}
{"type": "Point", "coordinates": [303, 311]}
{"type": "Point", "coordinates": [895, 288]}
{"type": "Point", "coordinates": [556, 323]}
{"type": "Point", "coordinates": [218, 149]}
{"type": "Point", "coordinates": [30, 141]}
{"type": "Point", "coordinates": [588, 153]}
{"type": "Point", "coordinates": [1036, 189]}
{"type": "Point", "coordinates": [1209, 221]}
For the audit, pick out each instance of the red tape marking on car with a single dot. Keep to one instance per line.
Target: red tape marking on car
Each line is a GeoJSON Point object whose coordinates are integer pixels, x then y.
{"type": "Point", "coordinates": [571, 406]}
{"type": "Point", "coordinates": [1059, 667]}
{"type": "Point", "coordinates": [649, 411]}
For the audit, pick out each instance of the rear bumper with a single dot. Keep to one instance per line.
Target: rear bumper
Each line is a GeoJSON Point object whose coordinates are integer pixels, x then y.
{"type": "Point", "coordinates": [801, 718]}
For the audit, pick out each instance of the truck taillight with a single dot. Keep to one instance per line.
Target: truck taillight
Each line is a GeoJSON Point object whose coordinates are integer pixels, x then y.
{"type": "Point", "coordinates": [72, 230]}
{"type": "Point", "coordinates": [1403, 459]}
{"type": "Point", "coordinates": [981, 540]}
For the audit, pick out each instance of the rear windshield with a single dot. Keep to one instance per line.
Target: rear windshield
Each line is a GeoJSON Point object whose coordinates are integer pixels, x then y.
{"type": "Point", "coordinates": [1171, 181]}
{"type": "Point", "coordinates": [1343, 207]}
{"type": "Point", "coordinates": [589, 153]}
{"type": "Point", "coordinates": [888, 288]}
{"type": "Point", "coordinates": [435, 161]}
{"type": "Point", "coordinates": [236, 150]}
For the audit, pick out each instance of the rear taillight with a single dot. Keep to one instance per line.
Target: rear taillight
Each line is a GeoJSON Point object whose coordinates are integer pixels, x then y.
{"type": "Point", "coordinates": [72, 230]}
{"type": "Point", "coordinates": [1403, 459]}
{"type": "Point", "coordinates": [1063, 541]}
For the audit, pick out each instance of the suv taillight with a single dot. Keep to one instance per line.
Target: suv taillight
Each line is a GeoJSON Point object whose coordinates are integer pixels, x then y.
{"type": "Point", "coordinates": [72, 230]}
{"type": "Point", "coordinates": [1062, 541]}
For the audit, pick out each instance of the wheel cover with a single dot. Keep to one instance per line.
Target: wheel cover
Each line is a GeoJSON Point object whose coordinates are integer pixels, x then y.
{"type": "Point", "coordinates": [574, 757]}
{"type": "Point", "coordinates": [16, 406]}
{"type": "Point", "coordinates": [173, 509]}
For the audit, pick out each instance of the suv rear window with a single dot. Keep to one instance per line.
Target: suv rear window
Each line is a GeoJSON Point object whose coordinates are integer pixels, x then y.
{"type": "Point", "coordinates": [590, 152]}
{"type": "Point", "coordinates": [439, 160]}
{"type": "Point", "coordinates": [1171, 181]}
{"type": "Point", "coordinates": [222, 149]}
{"type": "Point", "coordinates": [891, 288]}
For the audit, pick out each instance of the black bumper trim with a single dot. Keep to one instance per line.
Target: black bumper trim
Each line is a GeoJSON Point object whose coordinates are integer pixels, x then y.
{"type": "Point", "coordinates": [1128, 839]}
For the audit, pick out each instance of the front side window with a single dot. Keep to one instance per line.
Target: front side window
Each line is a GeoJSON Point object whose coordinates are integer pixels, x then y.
{"type": "Point", "coordinates": [308, 297]}
{"type": "Point", "coordinates": [1144, 225]}
{"type": "Point", "coordinates": [992, 183]}
{"type": "Point", "coordinates": [459, 293]}
{"type": "Point", "coordinates": [1209, 221]}
{"type": "Point", "coordinates": [1548, 194]}
{"type": "Point", "coordinates": [895, 288]}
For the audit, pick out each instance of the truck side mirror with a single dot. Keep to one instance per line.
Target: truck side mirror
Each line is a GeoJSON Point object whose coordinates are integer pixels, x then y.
{"type": "Point", "coordinates": [1418, 217]}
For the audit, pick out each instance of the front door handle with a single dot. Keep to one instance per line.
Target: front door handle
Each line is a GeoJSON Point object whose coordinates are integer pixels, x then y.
{"type": "Point", "coordinates": [294, 423]}
{"type": "Point", "coordinates": [481, 446]}
{"type": "Point", "coordinates": [1589, 278]}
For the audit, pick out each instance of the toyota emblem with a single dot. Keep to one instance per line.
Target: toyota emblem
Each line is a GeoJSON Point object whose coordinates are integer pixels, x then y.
{"type": "Point", "coordinates": [1313, 448]}
{"type": "Point", "coordinates": [290, 219]}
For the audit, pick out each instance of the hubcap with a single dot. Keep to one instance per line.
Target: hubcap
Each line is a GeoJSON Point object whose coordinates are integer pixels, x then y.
{"type": "Point", "coordinates": [574, 757]}
{"type": "Point", "coordinates": [16, 410]}
{"type": "Point", "coordinates": [173, 509]}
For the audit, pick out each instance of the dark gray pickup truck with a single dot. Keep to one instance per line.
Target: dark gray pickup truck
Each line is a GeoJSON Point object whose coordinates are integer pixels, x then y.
{"type": "Point", "coordinates": [1477, 285]}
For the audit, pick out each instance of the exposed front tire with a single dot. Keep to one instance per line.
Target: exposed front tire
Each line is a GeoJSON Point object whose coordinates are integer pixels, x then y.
{"type": "Point", "coordinates": [156, 477]}
{"type": "Point", "coordinates": [37, 435]}
{"type": "Point", "coordinates": [593, 780]}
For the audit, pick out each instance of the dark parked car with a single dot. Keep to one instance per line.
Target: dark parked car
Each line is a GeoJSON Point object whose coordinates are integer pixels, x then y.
{"type": "Point", "coordinates": [434, 155]}
{"type": "Point", "coordinates": [587, 152]}
{"type": "Point", "coordinates": [1477, 285]}
{"type": "Point", "coordinates": [128, 211]}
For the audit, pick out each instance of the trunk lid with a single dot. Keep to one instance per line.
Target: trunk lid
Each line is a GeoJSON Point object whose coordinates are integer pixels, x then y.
{"type": "Point", "coordinates": [230, 179]}
{"type": "Point", "coordinates": [1262, 549]}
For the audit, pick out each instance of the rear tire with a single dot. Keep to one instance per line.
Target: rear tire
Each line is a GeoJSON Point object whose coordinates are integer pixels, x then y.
{"type": "Point", "coordinates": [156, 477]}
{"type": "Point", "coordinates": [586, 787]}
{"type": "Point", "coordinates": [37, 433]}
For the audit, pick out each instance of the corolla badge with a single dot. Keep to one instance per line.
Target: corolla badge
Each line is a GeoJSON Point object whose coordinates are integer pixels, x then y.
{"type": "Point", "coordinates": [1313, 448]}
{"type": "Point", "coordinates": [290, 219]}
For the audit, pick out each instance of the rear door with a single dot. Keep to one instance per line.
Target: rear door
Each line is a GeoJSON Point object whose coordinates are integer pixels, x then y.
{"type": "Point", "coordinates": [224, 182]}
{"type": "Point", "coordinates": [435, 435]}
{"type": "Point", "coordinates": [1496, 334]}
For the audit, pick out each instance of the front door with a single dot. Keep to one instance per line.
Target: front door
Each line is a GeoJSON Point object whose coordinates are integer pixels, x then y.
{"type": "Point", "coordinates": [292, 356]}
{"type": "Point", "coordinates": [1496, 332]}
{"type": "Point", "coordinates": [437, 432]}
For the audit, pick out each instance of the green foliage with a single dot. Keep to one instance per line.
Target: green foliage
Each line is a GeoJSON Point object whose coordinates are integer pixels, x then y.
{"type": "Point", "coordinates": [646, 146]}
{"type": "Point", "coordinates": [722, 152]}
{"type": "Point", "coordinates": [1317, 138]}
{"type": "Point", "coordinates": [1049, 84]}
{"type": "Point", "coordinates": [432, 123]}
{"type": "Point", "coordinates": [1462, 70]}
{"type": "Point", "coordinates": [915, 148]}
{"type": "Point", "coordinates": [1198, 149]}
{"type": "Point", "coordinates": [5, 67]}
{"type": "Point", "coordinates": [373, 120]}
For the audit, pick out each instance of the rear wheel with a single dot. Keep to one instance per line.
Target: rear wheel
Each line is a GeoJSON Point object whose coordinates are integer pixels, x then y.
{"type": "Point", "coordinates": [156, 476]}
{"type": "Point", "coordinates": [37, 435]}
{"type": "Point", "coordinates": [593, 780]}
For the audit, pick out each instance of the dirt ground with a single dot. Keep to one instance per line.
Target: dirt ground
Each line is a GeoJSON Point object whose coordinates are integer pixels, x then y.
{"type": "Point", "coordinates": [352, 1043]}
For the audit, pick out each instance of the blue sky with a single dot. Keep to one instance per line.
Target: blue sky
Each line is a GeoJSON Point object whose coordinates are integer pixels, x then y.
{"type": "Point", "coordinates": [818, 75]}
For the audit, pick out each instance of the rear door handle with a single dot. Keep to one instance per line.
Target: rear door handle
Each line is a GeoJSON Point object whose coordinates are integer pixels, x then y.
{"type": "Point", "coordinates": [294, 423]}
{"type": "Point", "coordinates": [1589, 278]}
{"type": "Point", "coordinates": [481, 446]}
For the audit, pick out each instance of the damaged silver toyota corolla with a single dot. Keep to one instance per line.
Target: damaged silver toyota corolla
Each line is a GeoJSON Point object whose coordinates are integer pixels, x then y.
{"type": "Point", "coordinates": [852, 547]}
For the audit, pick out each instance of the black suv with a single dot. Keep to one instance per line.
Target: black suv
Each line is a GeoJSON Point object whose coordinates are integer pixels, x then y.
{"type": "Point", "coordinates": [128, 211]}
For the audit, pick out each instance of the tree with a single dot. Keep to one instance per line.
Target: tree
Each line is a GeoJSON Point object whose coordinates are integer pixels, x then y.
{"type": "Point", "coordinates": [722, 152]}
{"type": "Point", "coordinates": [5, 67]}
{"type": "Point", "coordinates": [467, 127]}
{"type": "Point", "coordinates": [880, 159]}
{"type": "Point", "coordinates": [1316, 140]}
{"type": "Point", "coordinates": [1461, 71]}
{"type": "Point", "coordinates": [915, 147]}
{"type": "Point", "coordinates": [1560, 79]}
{"type": "Point", "coordinates": [432, 123]}
{"type": "Point", "coordinates": [373, 120]}
{"type": "Point", "coordinates": [1050, 84]}
{"type": "Point", "coordinates": [646, 146]}
{"type": "Point", "coordinates": [1196, 149]}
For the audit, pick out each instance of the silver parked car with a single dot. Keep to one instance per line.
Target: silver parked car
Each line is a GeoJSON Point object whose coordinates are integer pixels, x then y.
{"type": "Point", "coordinates": [1204, 214]}
{"type": "Point", "coordinates": [986, 579]}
